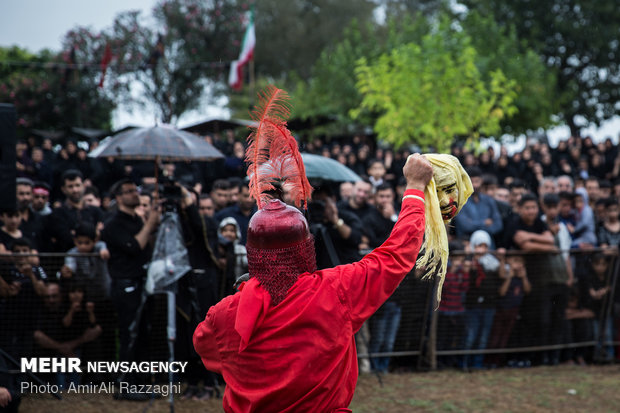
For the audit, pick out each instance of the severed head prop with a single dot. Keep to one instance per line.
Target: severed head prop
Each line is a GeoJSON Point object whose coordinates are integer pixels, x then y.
{"type": "Point", "coordinates": [445, 195]}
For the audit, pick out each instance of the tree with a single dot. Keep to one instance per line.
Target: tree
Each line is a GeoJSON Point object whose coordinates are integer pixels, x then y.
{"type": "Point", "coordinates": [52, 91]}
{"type": "Point", "coordinates": [332, 91]}
{"type": "Point", "coordinates": [432, 92]}
{"type": "Point", "coordinates": [84, 102]}
{"type": "Point", "coordinates": [167, 65]}
{"type": "Point", "coordinates": [498, 47]}
{"type": "Point", "coordinates": [175, 61]}
{"type": "Point", "coordinates": [578, 40]}
{"type": "Point", "coordinates": [291, 34]}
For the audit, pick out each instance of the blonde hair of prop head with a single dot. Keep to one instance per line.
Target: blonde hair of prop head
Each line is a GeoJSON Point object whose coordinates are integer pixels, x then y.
{"type": "Point", "coordinates": [435, 252]}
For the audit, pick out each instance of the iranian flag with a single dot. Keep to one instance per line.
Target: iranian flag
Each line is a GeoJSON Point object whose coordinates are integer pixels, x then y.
{"type": "Point", "coordinates": [235, 78]}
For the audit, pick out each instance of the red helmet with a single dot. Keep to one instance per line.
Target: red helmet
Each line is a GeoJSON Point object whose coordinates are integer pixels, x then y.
{"type": "Point", "coordinates": [280, 248]}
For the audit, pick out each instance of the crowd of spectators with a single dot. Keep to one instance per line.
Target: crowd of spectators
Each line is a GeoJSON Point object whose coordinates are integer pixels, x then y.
{"type": "Point", "coordinates": [500, 290]}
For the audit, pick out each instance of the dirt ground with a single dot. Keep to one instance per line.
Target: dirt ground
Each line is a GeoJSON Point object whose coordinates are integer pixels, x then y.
{"type": "Point", "coordinates": [539, 389]}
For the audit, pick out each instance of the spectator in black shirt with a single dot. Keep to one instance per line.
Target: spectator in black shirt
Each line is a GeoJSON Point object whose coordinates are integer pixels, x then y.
{"type": "Point", "coordinates": [381, 219]}
{"type": "Point", "coordinates": [197, 291]}
{"type": "Point", "coordinates": [358, 203]}
{"type": "Point", "coordinates": [42, 170]}
{"type": "Point", "coordinates": [337, 232]}
{"type": "Point", "coordinates": [385, 322]}
{"type": "Point", "coordinates": [547, 272]}
{"type": "Point", "coordinates": [206, 206]}
{"type": "Point", "coordinates": [127, 238]}
{"type": "Point", "coordinates": [20, 289]}
{"type": "Point", "coordinates": [65, 218]}
{"type": "Point", "coordinates": [219, 194]}
{"type": "Point", "coordinates": [10, 396]}
{"type": "Point", "coordinates": [53, 334]}
{"type": "Point", "coordinates": [32, 225]}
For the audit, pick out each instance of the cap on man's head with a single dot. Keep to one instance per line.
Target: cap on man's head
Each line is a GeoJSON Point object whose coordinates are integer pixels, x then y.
{"type": "Point", "coordinates": [24, 181]}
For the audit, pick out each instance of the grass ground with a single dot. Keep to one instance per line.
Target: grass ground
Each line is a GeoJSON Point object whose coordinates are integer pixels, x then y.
{"type": "Point", "coordinates": [540, 389]}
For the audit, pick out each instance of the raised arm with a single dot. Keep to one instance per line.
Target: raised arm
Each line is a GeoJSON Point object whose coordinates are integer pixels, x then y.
{"type": "Point", "coordinates": [368, 283]}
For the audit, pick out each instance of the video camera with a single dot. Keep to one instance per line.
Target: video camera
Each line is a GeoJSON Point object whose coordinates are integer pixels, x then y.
{"type": "Point", "coordinates": [316, 212]}
{"type": "Point", "coordinates": [170, 192]}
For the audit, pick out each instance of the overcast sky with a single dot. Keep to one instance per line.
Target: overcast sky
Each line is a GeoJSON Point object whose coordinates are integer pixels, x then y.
{"type": "Point", "coordinates": [38, 24]}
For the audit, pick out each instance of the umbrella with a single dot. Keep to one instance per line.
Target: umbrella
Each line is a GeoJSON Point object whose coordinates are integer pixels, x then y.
{"type": "Point", "coordinates": [327, 169]}
{"type": "Point", "coordinates": [163, 142]}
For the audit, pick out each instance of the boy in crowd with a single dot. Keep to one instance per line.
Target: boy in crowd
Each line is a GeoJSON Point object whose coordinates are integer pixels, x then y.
{"type": "Point", "coordinates": [609, 230]}
{"type": "Point", "coordinates": [29, 276]}
{"type": "Point", "coordinates": [376, 172]}
{"type": "Point", "coordinates": [51, 336]}
{"type": "Point", "coordinates": [515, 285]}
{"type": "Point", "coordinates": [548, 275]}
{"type": "Point", "coordinates": [583, 234]}
{"type": "Point", "coordinates": [481, 298]}
{"type": "Point", "coordinates": [79, 317]}
{"type": "Point", "coordinates": [451, 315]}
{"type": "Point", "coordinates": [9, 231]}
{"type": "Point", "coordinates": [21, 288]}
{"type": "Point", "coordinates": [598, 289]}
{"type": "Point", "coordinates": [578, 326]}
{"type": "Point", "coordinates": [230, 232]}
{"type": "Point", "coordinates": [82, 266]}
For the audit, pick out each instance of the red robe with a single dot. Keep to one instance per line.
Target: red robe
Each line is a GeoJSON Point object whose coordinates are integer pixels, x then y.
{"type": "Point", "coordinates": [300, 356]}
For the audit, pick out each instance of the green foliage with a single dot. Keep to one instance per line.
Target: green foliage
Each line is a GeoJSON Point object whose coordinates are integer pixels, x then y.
{"type": "Point", "coordinates": [49, 94]}
{"type": "Point", "coordinates": [578, 41]}
{"type": "Point", "coordinates": [499, 48]}
{"type": "Point", "coordinates": [428, 93]}
{"type": "Point", "coordinates": [164, 65]}
{"type": "Point", "coordinates": [332, 91]}
{"type": "Point", "coordinates": [291, 34]}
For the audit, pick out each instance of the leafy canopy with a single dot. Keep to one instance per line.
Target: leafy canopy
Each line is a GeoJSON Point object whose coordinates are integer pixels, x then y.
{"type": "Point", "coordinates": [428, 93]}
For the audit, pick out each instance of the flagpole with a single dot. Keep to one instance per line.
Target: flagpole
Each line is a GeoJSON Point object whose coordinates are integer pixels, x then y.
{"type": "Point", "coordinates": [252, 80]}
{"type": "Point", "coordinates": [251, 68]}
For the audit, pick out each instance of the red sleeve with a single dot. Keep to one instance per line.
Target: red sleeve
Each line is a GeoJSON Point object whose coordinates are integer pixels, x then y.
{"type": "Point", "coordinates": [205, 343]}
{"type": "Point", "coordinates": [367, 284]}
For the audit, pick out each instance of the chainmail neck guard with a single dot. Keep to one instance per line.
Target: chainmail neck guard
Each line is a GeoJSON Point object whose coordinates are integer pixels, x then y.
{"type": "Point", "coordinates": [278, 269]}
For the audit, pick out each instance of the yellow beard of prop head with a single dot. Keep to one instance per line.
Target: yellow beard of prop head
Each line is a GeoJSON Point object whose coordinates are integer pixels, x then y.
{"type": "Point", "coordinates": [445, 195]}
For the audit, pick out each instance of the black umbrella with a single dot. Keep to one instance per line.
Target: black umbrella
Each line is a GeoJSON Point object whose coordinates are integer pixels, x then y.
{"type": "Point", "coordinates": [321, 167]}
{"type": "Point", "coordinates": [163, 142]}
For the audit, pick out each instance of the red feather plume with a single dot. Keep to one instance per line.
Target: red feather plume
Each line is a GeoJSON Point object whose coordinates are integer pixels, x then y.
{"type": "Point", "coordinates": [272, 153]}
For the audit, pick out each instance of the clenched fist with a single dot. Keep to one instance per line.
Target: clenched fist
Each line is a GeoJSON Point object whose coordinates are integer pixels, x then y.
{"type": "Point", "coordinates": [417, 171]}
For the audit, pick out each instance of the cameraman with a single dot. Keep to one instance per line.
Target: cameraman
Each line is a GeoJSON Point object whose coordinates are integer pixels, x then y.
{"type": "Point", "coordinates": [337, 232]}
{"type": "Point", "coordinates": [128, 239]}
{"type": "Point", "coordinates": [198, 290]}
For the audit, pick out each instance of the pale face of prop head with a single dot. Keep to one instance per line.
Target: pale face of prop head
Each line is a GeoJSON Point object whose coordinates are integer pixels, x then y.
{"type": "Point", "coordinates": [447, 192]}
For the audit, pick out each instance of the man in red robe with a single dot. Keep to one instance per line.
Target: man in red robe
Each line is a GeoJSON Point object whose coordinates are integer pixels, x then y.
{"type": "Point", "coordinates": [285, 341]}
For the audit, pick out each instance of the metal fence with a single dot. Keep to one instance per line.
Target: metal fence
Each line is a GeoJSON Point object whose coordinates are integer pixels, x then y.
{"type": "Point", "coordinates": [487, 319]}
{"type": "Point", "coordinates": [482, 321]}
